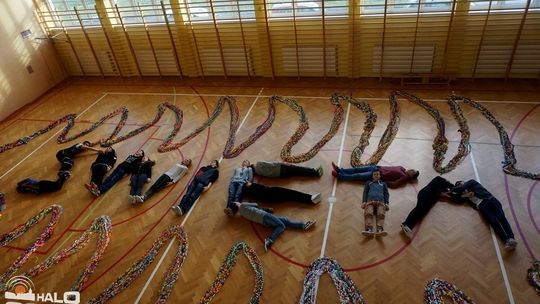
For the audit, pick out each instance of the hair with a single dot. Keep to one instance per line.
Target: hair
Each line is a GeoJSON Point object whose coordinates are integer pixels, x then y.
{"type": "Point", "coordinates": [415, 176]}
{"type": "Point", "coordinates": [217, 163]}
{"type": "Point", "coordinates": [186, 162]}
{"type": "Point", "coordinates": [87, 143]}
{"type": "Point", "coordinates": [142, 151]}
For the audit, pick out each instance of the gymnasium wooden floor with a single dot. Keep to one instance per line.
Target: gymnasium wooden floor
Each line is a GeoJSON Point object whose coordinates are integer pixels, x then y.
{"type": "Point", "coordinates": [452, 243]}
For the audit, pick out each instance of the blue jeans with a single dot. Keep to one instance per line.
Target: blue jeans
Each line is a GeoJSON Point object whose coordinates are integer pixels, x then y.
{"type": "Point", "coordinates": [278, 225]}
{"type": "Point", "coordinates": [235, 193]}
{"type": "Point", "coordinates": [492, 211]}
{"type": "Point", "coordinates": [192, 194]}
{"type": "Point", "coordinates": [137, 183]}
{"type": "Point", "coordinates": [362, 173]}
{"type": "Point", "coordinates": [110, 181]}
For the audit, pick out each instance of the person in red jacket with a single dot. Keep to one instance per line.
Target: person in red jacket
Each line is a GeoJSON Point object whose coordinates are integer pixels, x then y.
{"type": "Point", "coordinates": [393, 176]}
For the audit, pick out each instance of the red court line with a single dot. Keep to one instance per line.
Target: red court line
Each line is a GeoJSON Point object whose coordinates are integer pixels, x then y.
{"type": "Point", "coordinates": [507, 188]}
{"type": "Point", "coordinates": [23, 249]}
{"type": "Point", "coordinates": [164, 214]}
{"type": "Point", "coordinates": [529, 208]}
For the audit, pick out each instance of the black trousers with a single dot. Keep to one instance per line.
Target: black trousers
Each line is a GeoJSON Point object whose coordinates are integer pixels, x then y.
{"type": "Point", "coordinates": [159, 184]}
{"type": "Point", "coordinates": [424, 203]}
{"type": "Point", "coordinates": [491, 210]}
{"type": "Point", "coordinates": [98, 173]}
{"type": "Point", "coordinates": [288, 170]}
{"type": "Point", "coordinates": [30, 185]}
{"type": "Point", "coordinates": [66, 160]}
{"type": "Point", "coordinates": [275, 194]}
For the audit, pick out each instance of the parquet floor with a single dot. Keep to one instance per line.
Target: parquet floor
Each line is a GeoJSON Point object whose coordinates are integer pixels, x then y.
{"type": "Point", "coordinates": [452, 243]}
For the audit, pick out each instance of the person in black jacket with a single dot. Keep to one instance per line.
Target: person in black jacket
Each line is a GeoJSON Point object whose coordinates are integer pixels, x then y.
{"type": "Point", "coordinates": [104, 163]}
{"type": "Point", "coordinates": [66, 157]}
{"type": "Point", "coordinates": [490, 208]}
{"type": "Point", "coordinates": [427, 197]}
{"type": "Point", "coordinates": [30, 185]}
{"type": "Point", "coordinates": [204, 178]}
{"type": "Point", "coordinates": [128, 166]}
{"type": "Point", "coordinates": [139, 178]}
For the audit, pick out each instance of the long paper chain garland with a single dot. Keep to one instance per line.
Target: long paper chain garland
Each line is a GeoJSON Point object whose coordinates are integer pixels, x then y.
{"type": "Point", "coordinates": [54, 211]}
{"type": "Point", "coordinates": [347, 291]}
{"type": "Point", "coordinates": [440, 142]}
{"type": "Point", "coordinates": [101, 226]}
{"type": "Point", "coordinates": [228, 265]}
{"type": "Point", "coordinates": [437, 289]}
{"type": "Point", "coordinates": [533, 276]}
{"type": "Point", "coordinates": [135, 270]}
{"type": "Point", "coordinates": [304, 126]}
{"type": "Point", "coordinates": [509, 162]}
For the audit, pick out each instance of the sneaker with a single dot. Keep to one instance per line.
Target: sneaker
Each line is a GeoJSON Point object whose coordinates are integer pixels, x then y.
{"type": "Point", "coordinates": [228, 211]}
{"type": "Point", "coordinates": [267, 244]}
{"type": "Point", "coordinates": [510, 245]}
{"type": "Point", "coordinates": [368, 232]}
{"type": "Point", "coordinates": [140, 199]}
{"type": "Point", "coordinates": [407, 231]}
{"type": "Point", "coordinates": [64, 174]}
{"type": "Point", "coordinates": [177, 210]}
{"type": "Point", "coordinates": [132, 199]}
{"type": "Point", "coordinates": [320, 171]}
{"type": "Point", "coordinates": [316, 198]}
{"type": "Point", "coordinates": [93, 188]}
{"type": "Point", "coordinates": [334, 173]}
{"type": "Point", "coordinates": [308, 225]}
{"type": "Point", "coordinates": [381, 232]}
{"type": "Point", "coordinates": [335, 167]}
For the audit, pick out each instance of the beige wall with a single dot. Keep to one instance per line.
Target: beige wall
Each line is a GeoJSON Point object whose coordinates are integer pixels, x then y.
{"type": "Point", "coordinates": [17, 86]}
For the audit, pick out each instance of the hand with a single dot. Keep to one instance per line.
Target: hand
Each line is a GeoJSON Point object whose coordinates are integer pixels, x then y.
{"type": "Point", "coordinates": [386, 207]}
{"type": "Point", "coordinates": [364, 205]}
{"type": "Point", "coordinates": [206, 188]}
{"type": "Point", "coordinates": [168, 184]}
{"type": "Point", "coordinates": [248, 184]}
{"type": "Point", "coordinates": [445, 193]}
{"type": "Point", "coordinates": [269, 210]}
{"type": "Point", "coordinates": [467, 194]}
{"type": "Point", "coordinates": [148, 180]}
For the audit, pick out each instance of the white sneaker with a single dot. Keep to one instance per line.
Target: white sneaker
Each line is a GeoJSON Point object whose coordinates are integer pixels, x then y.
{"type": "Point", "coordinates": [177, 210]}
{"type": "Point", "coordinates": [139, 199]}
{"type": "Point", "coordinates": [407, 231]}
{"type": "Point", "coordinates": [510, 245]}
{"type": "Point", "coordinates": [316, 198]}
{"type": "Point", "coordinates": [132, 199]}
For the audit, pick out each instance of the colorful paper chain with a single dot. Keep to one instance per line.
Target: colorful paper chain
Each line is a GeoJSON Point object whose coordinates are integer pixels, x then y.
{"type": "Point", "coordinates": [533, 275]}
{"type": "Point", "coordinates": [437, 289]}
{"type": "Point", "coordinates": [54, 211]}
{"type": "Point", "coordinates": [135, 270]}
{"type": "Point", "coordinates": [509, 162]}
{"type": "Point", "coordinates": [228, 265]}
{"type": "Point", "coordinates": [304, 126]}
{"type": "Point", "coordinates": [347, 291]}
{"type": "Point", "coordinates": [440, 142]}
{"type": "Point", "coordinates": [101, 226]}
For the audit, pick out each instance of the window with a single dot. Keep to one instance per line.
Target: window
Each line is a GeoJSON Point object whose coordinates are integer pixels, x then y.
{"type": "Point", "coordinates": [482, 6]}
{"type": "Point", "coordinates": [151, 11]}
{"type": "Point", "coordinates": [65, 14]}
{"type": "Point", "coordinates": [224, 10]}
{"type": "Point", "coordinates": [376, 7]}
{"type": "Point", "coordinates": [305, 8]}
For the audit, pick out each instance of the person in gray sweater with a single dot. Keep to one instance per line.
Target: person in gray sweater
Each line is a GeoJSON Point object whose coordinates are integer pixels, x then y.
{"type": "Point", "coordinates": [169, 177]}
{"type": "Point", "coordinates": [277, 169]}
{"type": "Point", "coordinates": [375, 203]}
{"type": "Point", "coordinates": [240, 177]}
{"type": "Point", "coordinates": [264, 216]}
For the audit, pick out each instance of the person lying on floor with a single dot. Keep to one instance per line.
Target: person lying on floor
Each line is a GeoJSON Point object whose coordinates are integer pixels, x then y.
{"type": "Point", "coordinates": [264, 216]}
{"type": "Point", "coordinates": [104, 163]}
{"type": "Point", "coordinates": [170, 177]}
{"type": "Point", "coordinates": [30, 185]}
{"type": "Point", "coordinates": [394, 176]}
{"type": "Point", "coordinates": [66, 157]}
{"type": "Point", "coordinates": [142, 176]}
{"type": "Point", "coordinates": [489, 207]}
{"type": "Point", "coordinates": [240, 177]}
{"type": "Point", "coordinates": [128, 166]}
{"type": "Point", "coordinates": [426, 199]}
{"type": "Point", "coordinates": [277, 169]}
{"type": "Point", "coordinates": [204, 178]}
{"type": "Point", "coordinates": [375, 203]}
{"type": "Point", "coordinates": [259, 192]}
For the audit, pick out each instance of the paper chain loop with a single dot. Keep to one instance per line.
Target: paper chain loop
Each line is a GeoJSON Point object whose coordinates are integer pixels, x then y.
{"type": "Point", "coordinates": [437, 289]}
{"type": "Point", "coordinates": [228, 265]}
{"type": "Point", "coordinates": [101, 226]}
{"type": "Point", "coordinates": [533, 275]}
{"type": "Point", "coordinates": [347, 291]}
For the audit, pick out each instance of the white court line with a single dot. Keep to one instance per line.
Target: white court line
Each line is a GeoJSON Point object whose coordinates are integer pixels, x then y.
{"type": "Point", "coordinates": [496, 244]}
{"type": "Point", "coordinates": [54, 135]}
{"type": "Point", "coordinates": [311, 97]}
{"type": "Point", "coordinates": [139, 297]}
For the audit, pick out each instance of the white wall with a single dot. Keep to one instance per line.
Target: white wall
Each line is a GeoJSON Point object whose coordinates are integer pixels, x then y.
{"type": "Point", "coordinates": [17, 86]}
